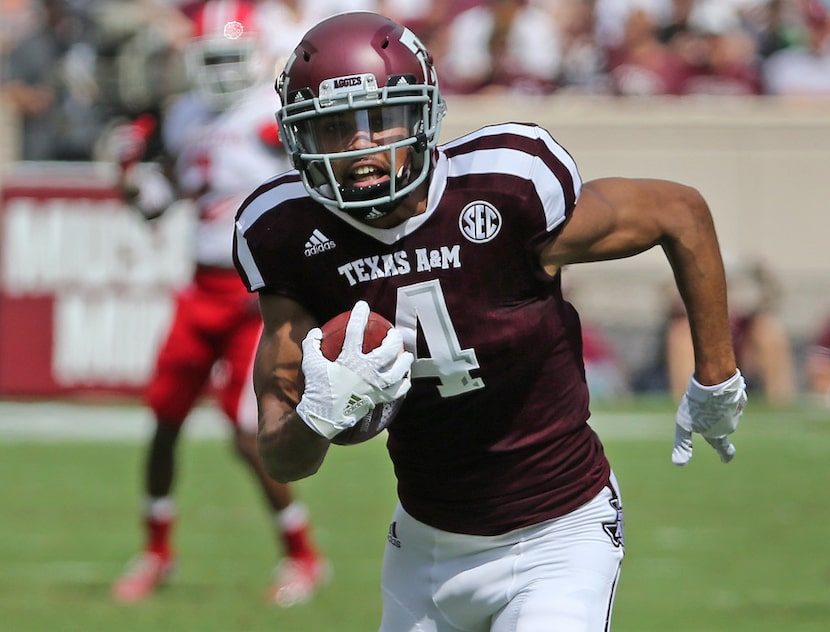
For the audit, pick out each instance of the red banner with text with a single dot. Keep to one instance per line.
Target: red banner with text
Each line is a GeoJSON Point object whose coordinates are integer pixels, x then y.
{"type": "Point", "coordinates": [86, 284]}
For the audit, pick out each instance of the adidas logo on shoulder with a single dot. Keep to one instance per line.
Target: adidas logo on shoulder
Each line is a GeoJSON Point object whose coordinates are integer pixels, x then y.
{"type": "Point", "coordinates": [318, 243]}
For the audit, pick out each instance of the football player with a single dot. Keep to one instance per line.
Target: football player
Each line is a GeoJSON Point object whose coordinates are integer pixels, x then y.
{"type": "Point", "coordinates": [510, 517]}
{"type": "Point", "coordinates": [221, 141]}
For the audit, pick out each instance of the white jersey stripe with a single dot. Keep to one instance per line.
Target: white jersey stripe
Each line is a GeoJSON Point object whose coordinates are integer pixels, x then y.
{"type": "Point", "coordinates": [256, 209]}
{"type": "Point", "coordinates": [266, 201]}
{"type": "Point", "coordinates": [528, 132]}
{"type": "Point", "coordinates": [521, 165]}
{"type": "Point", "coordinates": [246, 260]}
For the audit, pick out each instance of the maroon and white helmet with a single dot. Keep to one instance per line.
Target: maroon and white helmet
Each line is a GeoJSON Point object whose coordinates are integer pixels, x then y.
{"type": "Point", "coordinates": [224, 59]}
{"type": "Point", "coordinates": [360, 69]}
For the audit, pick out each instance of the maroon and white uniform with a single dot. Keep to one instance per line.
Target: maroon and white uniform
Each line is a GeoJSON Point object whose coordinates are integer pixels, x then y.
{"type": "Point", "coordinates": [485, 443]}
{"type": "Point", "coordinates": [220, 157]}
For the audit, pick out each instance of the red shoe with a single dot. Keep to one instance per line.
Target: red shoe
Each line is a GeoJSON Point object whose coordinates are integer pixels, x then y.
{"type": "Point", "coordinates": [297, 579]}
{"type": "Point", "coordinates": [144, 574]}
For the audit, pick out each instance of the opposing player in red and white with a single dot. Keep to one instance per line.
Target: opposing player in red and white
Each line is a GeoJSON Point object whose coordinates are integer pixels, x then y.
{"type": "Point", "coordinates": [510, 518]}
{"type": "Point", "coordinates": [221, 142]}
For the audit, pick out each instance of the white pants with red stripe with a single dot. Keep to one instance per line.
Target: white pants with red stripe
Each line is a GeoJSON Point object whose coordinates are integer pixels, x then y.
{"type": "Point", "coordinates": [557, 576]}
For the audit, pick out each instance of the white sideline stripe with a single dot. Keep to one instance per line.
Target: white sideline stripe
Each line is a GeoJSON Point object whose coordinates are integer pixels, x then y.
{"type": "Point", "coordinates": [55, 421]}
{"type": "Point", "coordinates": [631, 426]}
{"type": "Point", "coordinates": [60, 421]}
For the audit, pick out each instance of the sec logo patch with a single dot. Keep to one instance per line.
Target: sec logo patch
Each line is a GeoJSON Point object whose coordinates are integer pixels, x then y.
{"type": "Point", "coordinates": [479, 221]}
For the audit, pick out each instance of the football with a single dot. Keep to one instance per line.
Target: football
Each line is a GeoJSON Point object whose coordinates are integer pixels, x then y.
{"type": "Point", "coordinates": [373, 423]}
{"type": "Point", "coordinates": [370, 425]}
{"type": "Point", "coordinates": [334, 331]}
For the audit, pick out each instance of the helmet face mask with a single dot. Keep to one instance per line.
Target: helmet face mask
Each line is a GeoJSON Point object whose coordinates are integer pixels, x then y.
{"type": "Point", "coordinates": [335, 132]}
{"type": "Point", "coordinates": [224, 61]}
{"type": "Point", "coordinates": [359, 134]}
{"type": "Point", "coordinates": [222, 71]}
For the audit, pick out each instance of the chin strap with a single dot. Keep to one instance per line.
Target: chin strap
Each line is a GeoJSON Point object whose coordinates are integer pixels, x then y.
{"type": "Point", "coordinates": [382, 189]}
{"type": "Point", "coordinates": [357, 194]}
{"type": "Point", "coordinates": [367, 193]}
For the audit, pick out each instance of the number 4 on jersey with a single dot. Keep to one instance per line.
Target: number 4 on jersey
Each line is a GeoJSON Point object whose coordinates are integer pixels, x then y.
{"type": "Point", "coordinates": [423, 305]}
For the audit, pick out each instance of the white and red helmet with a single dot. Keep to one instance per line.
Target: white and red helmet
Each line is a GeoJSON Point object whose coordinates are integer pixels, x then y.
{"type": "Point", "coordinates": [360, 64]}
{"type": "Point", "coordinates": [223, 60]}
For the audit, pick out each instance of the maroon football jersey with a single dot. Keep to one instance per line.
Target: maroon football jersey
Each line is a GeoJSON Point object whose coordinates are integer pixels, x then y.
{"type": "Point", "coordinates": [493, 435]}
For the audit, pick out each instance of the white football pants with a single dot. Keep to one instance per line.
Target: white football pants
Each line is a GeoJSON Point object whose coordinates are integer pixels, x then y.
{"type": "Point", "coordinates": [557, 576]}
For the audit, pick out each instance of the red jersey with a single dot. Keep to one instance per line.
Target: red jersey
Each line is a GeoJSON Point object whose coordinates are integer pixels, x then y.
{"type": "Point", "coordinates": [493, 435]}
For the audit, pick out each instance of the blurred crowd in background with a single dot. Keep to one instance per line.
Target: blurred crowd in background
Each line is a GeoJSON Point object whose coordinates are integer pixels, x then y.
{"type": "Point", "coordinates": [70, 70]}
{"type": "Point", "coordinates": [69, 67]}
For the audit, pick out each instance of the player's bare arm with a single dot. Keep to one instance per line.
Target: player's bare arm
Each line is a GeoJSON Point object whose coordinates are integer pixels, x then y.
{"type": "Point", "coordinates": [290, 450]}
{"type": "Point", "coordinates": [617, 217]}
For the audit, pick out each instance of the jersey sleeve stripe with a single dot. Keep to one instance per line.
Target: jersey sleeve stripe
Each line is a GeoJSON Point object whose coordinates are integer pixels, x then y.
{"type": "Point", "coordinates": [558, 161]}
{"type": "Point", "coordinates": [557, 200]}
{"type": "Point", "coordinates": [549, 189]}
{"type": "Point", "coordinates": [245, 261]}
{"type": "Point", "coordinates": [270, 196]}
{"type": "Point", "coordinates": [525, 139]}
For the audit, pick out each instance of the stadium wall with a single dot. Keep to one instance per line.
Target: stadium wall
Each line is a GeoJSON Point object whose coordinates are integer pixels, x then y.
{"type": "Point", "coordinates": [762, 164]}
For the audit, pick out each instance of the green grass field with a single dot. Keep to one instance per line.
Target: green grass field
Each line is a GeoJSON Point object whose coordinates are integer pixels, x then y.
{"type": "Point", "coordinates": [710, 547]}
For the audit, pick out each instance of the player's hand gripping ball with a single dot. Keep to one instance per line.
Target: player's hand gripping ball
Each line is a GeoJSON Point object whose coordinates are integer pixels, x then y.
{"type": "Point", "coordinates": [379, 418]}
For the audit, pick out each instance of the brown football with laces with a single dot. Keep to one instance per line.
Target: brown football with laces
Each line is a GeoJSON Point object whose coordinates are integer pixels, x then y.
{"type": "Point", "coordinates": [374, 422]}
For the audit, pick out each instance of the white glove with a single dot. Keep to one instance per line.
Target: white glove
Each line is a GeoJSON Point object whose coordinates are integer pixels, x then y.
{"type": "Point", "coordinates": [126, 143]}
{"type": "Point", "coordinates": [148, 189]}
{"type": "Point", "coordinates": [712, 411]}
{"type": "Point", "coordinates": [338, 394]}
